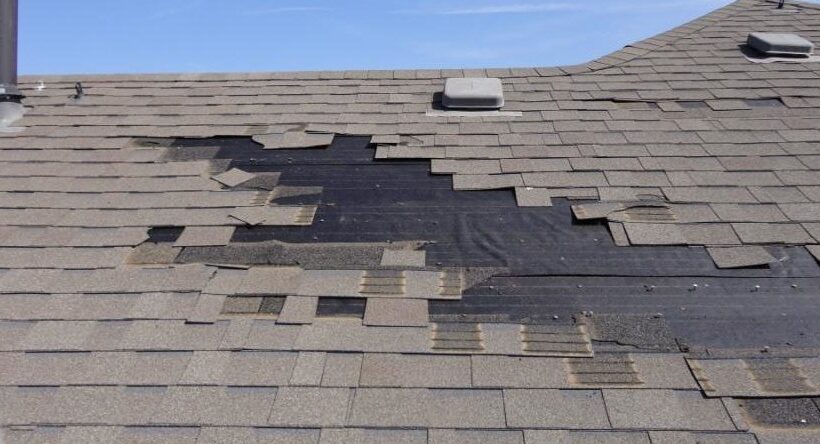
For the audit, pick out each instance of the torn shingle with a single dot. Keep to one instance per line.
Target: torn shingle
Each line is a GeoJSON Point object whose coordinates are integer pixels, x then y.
{"type": "Point", "coordinates": [532, 197]}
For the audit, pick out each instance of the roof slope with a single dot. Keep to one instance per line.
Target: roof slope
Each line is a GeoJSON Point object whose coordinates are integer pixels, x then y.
{"type": "Point", "coordinates": [176, 265]}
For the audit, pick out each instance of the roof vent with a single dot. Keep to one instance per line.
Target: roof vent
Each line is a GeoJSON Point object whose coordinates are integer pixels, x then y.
{"type": "Point", "coordinates": [778, 44]}
{"type": "Point", "coordinates": [473, 93]}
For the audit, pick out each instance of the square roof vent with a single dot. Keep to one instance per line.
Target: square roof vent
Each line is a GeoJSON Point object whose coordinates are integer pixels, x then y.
{"type": "Point", "coordinates": [473, 93]}
{"type": "Point", "coordinates": [773, 43]}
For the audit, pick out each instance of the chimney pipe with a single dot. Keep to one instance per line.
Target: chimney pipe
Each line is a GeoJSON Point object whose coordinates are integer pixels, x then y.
{"type": "Point", "coordinates": [8, 51]}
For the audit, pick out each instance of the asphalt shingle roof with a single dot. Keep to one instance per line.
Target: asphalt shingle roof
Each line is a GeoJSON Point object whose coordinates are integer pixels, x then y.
{"type": "Point", "coordinates": [140, 298]}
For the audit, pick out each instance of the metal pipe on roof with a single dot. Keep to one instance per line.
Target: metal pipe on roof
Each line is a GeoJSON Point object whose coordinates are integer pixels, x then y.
{"type": "Point", "coordinates": [8, 51]}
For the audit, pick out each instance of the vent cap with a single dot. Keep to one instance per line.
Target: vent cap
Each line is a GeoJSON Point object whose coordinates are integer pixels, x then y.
{"type": "Point", "coordinates": [774, 43]}
{"type": "Point", "coordinates": [473, 93]}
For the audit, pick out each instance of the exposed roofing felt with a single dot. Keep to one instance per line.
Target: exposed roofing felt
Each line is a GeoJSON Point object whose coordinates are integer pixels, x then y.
{"type": "Point", "coordinates": [333, 257]}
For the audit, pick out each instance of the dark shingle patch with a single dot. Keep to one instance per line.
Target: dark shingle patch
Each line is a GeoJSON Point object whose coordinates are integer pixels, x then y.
{"type": "Point", "coordinates": [253, 305]}
{"type": "Point", "coordinates": [271, 304]}
{"type": "Point", "coordinates": [693, 104]}
{"type": "Point", "coordinates": [764, 103]}
{"type": "Point", "coordinates": [641, 331]}
{"type": "Point", "coordinates": [164, 234]}
{"type": "Point", "coordinates": [341, 307]}
{"type": "Point", "coordinates": [791, 412]}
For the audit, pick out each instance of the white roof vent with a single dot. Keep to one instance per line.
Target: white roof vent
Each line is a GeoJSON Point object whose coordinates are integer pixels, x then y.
{"type": "Point", "coordinates": [473, 93]}
{"type": "Point", "coordinates": [773, 43]}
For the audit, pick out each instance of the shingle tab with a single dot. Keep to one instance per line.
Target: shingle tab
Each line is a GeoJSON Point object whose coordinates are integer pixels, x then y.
{"type": "Point", "coordinates": [396, 312]}
{"type": "Point", "coordinates": [227, 406]}
{"type": "Point", "coordinates": [665, 409]}
{"type": "Point", "coordinates": [437, 408]}
{"type": "Point", "coordinates": [310, 406]}
{"type": "Point", "coordinates": [391, 370]}
{"type": "Point", "coordinates": [564, 409]}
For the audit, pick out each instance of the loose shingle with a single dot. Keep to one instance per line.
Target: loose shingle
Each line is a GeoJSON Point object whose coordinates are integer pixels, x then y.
{"type": "Point", "coordinates": [532, 197]}
{"type": "Point", "coordinates": [204, 236]}
{"type": "Point", "coordinates": [738, 257]}
{"type": "Point", "coordinates": [233, 177]}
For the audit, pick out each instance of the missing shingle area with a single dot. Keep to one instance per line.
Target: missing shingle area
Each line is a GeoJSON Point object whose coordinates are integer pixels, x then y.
{"type": "Point", "coordinates": [401, 209]}
{"type": "Point", "coordinates": [694, 105]}
{"type": "Point", "coordinates": [764, 103]}
{"type": "Point", "coordinates": [164, 234]}
{"type": "Point", "coordinates": [333, 307]}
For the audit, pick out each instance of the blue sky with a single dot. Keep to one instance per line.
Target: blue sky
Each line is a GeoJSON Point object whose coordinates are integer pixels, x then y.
{"type": "Point", "coordinates": [121, 36]}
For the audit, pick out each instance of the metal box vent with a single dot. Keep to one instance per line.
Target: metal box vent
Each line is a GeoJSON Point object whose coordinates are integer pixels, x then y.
{"type": "Point", "coordinates": [473, 93]}
{"type": "Point", "coordinates": [773, 43]}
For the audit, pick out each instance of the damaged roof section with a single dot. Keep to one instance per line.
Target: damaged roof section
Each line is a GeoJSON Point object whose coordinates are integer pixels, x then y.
{"type": "Point", "coordinates": [332, 255]}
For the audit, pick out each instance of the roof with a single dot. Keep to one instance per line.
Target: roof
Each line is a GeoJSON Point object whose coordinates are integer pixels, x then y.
{"type": "Point", "coordinates": [626, 251]}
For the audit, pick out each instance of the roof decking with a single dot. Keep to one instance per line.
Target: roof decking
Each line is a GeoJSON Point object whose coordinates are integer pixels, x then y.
{"type": "Point", "coordinates": [242, 257]}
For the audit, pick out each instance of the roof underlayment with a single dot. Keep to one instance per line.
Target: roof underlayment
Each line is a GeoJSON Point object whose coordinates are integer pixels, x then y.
{"type": "Point", "coordinates": [626, 251]}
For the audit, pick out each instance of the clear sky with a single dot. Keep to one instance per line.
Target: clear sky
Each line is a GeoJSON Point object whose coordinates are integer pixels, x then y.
{"type": "Point", "coordinates": [123, 36]}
